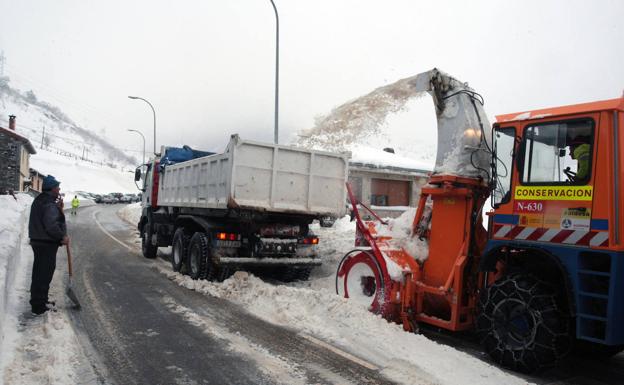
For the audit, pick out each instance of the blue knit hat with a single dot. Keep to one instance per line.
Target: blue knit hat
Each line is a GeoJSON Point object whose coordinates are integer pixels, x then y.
{"type": "Point", "coordinates": [49, 182]}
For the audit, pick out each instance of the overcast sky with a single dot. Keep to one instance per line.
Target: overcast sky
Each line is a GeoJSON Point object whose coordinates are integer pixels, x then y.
{"type": "Point", "coordinates": [208, 66]}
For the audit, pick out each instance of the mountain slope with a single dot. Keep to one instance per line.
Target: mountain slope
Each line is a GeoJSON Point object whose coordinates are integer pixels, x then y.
{"type": "Point", "coordinates": [48, 127]}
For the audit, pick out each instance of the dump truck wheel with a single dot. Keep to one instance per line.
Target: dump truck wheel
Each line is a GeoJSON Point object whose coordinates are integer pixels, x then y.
{"type": "Point", "coordinates": [198, 253]}
{"type": "Point", "coordinates": [179, 249]}
{"type": "Point", "coordinates": [520, 324]}
{"type": "Point", "coordinates": [149, 250]}
{"type": "Point", "coordinates": [360, 278]}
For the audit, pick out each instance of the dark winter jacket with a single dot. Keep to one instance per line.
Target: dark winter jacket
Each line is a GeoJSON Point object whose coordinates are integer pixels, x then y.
{"type": "Point", "coordinates": [47, 221]}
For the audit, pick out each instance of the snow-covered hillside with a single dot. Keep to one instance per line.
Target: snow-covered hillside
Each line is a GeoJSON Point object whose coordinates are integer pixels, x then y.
{"type": "Point", "coordinates": [78, 175]}
{"type": "Point", "coordinates": [47, 127]}
{"type": "Point", "coordinates": [80, 159]}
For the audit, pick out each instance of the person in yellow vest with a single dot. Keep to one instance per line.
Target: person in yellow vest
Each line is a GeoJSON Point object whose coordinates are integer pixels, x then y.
{"type": "Point", "coordinates": [75, 203]}
{"type": "Point", "coordinates": [581, 151]}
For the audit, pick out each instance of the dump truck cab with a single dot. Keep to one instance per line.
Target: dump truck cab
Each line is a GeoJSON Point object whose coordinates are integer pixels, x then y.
{"type": "Point", "coordinates": [557, 218]}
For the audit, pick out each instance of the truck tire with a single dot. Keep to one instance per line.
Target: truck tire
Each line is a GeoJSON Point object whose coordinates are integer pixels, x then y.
{"type": "Point", "coordinates": [198, 253]}
{"type": "Point", "coordinates": [179, 249]}
{"type": "Point", "coordinates": [520, 324]}
{"type": "Point", "coordinates": [149, 250]}
{"type": "Point", "coordinates": [218, 273]}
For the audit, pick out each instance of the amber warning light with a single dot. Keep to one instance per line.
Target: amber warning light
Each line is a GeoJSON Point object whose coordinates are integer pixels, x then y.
{"type": "Point", "coordinates": [310, 241]}
{"type": "Point", "coordinates": [228, 237]}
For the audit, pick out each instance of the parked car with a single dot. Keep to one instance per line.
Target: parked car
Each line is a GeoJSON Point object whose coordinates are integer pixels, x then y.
{"type": "Point", "coordinates": [109, 199]}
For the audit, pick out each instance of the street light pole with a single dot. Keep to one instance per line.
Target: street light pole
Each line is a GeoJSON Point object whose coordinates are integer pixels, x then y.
{"type": "Point", "coordinates": [142, 136]}
{"type": "Point", "coordinates": [276, 134]}
{"type": "Point", "coordinates": [154, 112]}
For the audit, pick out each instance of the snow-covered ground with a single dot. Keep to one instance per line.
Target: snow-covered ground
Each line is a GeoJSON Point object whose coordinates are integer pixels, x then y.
{"type": "Point", "coordinates": [33, 350]}
{"type": "Point", "coordinates": [45, 349]}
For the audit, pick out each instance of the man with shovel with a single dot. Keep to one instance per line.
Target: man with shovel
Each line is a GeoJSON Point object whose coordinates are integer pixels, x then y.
{"type": "Point", "coordinates": [47, 231]}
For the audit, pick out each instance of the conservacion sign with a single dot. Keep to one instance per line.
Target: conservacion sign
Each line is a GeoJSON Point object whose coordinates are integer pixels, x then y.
{"type": "Point", "coordinates": [555, 193]}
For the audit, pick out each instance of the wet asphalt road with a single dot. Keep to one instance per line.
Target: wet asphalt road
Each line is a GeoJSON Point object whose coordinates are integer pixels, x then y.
{"type": "Point", "coordinates": [141, 328]}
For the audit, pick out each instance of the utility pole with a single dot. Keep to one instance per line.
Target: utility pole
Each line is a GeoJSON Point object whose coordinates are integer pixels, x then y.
{"type": "Point", "coordinates": [276, 130]}
{"type": "Point", "coordinates": [42, 136]}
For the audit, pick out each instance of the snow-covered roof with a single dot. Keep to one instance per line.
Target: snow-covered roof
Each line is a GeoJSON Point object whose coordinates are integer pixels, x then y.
{"type": "Point", "coordinates": [20, 138]}
{"type": "Point", "coordinates": [368, 157]}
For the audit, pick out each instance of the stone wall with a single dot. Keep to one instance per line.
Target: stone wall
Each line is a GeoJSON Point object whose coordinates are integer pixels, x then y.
{"type": "Point", "coordinates": [10, 150]}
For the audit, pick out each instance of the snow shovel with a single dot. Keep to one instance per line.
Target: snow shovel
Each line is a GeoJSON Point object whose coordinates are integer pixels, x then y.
{"type": "Point", "coordinates": [70, 291]}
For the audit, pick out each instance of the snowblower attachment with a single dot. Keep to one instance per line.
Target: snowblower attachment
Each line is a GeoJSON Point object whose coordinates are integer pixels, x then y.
{"type": "Point", "coordinates": [463, 128]}
{"type": "Point", "coordinates": [410, 283]}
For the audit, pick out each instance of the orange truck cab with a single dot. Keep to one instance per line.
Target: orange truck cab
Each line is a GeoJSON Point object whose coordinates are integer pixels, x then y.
{"type": "Point", "coordinates": [547, 275]}
{"type": "Point", "coordinates": [555, 244]}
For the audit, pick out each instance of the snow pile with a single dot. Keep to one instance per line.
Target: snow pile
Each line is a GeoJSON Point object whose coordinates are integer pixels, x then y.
{"type": "Point", "coordinates": [14, 214]}
{"type": "Point", "coordinates": [400, 229]}
{"type": "Point", "coordinates": [334, 243]}
{"type": "Point", "coordinates": [33, 350]}
{"type": "Point", "coordinates": [47, 353]}
{"type": "Point", "coordinates": [131, 213]}
{"type": "Point", "coordinates": [402, 356]}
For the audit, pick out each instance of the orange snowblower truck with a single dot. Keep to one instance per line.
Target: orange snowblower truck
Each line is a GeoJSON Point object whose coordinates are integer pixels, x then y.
{"type": "Point", "coordinates": [547, 275]}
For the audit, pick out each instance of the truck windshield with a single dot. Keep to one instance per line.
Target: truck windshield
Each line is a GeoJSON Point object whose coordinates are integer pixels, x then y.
{"type": "Point", "coordinates": [557, 153]}
{"type": "Point", "coordinates": [504, 142]}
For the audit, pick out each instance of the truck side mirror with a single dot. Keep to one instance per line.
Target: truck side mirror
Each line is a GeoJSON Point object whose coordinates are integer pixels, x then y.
{"type": "Point", "coordinates": [137, 174]}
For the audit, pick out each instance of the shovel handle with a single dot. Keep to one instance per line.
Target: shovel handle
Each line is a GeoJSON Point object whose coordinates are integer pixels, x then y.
{"type": "Point", "coordinates": [69, 260]}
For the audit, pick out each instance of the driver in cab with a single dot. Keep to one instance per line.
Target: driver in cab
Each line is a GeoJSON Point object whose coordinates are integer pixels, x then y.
{"type": "Point", "coordinates": [580, 150]}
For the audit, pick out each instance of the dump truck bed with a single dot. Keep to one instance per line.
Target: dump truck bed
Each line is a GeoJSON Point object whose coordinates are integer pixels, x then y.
{"type": "Point", "coordinates": [259, 176]}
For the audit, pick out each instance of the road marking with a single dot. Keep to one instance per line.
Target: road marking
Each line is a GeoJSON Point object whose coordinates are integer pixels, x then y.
{"type": "Point", "coordinates": [340, 352]}
{"type": "Point", "coordinates": [109, 234]}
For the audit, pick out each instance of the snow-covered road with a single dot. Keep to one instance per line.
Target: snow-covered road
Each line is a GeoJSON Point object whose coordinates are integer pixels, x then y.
{"type": "Point", "coordinates": [142, 323]}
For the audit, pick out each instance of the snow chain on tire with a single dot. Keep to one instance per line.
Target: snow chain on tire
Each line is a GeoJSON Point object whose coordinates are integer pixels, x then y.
{"type": "Point", "coordinates": [520, 324]}
{"type": "Point", "coordinates": [198, 253]}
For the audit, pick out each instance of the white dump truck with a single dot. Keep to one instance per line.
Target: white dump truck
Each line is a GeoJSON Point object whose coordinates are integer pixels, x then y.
{"type": "Point", "coordinates": [250, 206]}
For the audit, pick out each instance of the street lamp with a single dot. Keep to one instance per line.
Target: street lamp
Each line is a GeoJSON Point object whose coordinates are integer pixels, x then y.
{"type": "Point", "coordinates": [142, 136]}
{"type": "Point", "coordinates": [154, 112]}
{"type": "Point", "coordinates": [276, 136]}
